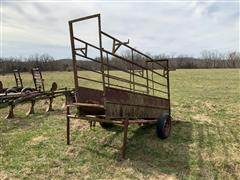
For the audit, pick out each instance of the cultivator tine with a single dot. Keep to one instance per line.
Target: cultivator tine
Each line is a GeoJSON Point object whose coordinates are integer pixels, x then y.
{"type": "Point", "coordinates": [38, 80]}
{"type": "Point", "coordinates": [31, 109]}
{"type": "Point", "coordinates": [68, 125]}
{"type": "Point", "coordinates": [50, 108]}
{"type": "Point", "coordinates": [92, 123]}
{"type": "Point", "coordinates": [11, 112]}
{"type": "Point", "coordinates": [18, 78]}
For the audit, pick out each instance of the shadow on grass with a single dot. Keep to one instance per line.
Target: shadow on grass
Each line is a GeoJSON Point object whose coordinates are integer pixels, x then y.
{"type": "Point", "coordinates": [151, 155]}
{"type": "Point", "coordinates": [148, 154]}
{"type": "Point", "coordinates": [22, 122]}
{"type": "Point", "coordinates": [108, 143]}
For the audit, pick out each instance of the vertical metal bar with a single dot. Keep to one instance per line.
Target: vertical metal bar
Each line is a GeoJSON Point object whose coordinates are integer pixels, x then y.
{"type": "Point", "coordinates": [86, 49]}
{"type": "Point", "coordinates": [41, 80]}
{"type": "Point", "coordinates": [108, 69]}
{"type": "Point", "coordinates": [14, 73]}
{"type": "Point", "coordinates": [68, 126]}
{"type": "Point", "coordinates": [168, 86]}
{"type": "Point", "coordinates": [125, 131]}
{"type": "Point", "coordinates": [130, 70]}
{"type": "Point", "coordinates": [133, 73]}
{"type": "Point", "coordinates": [113, 47]}
{"type": "Point", "coordinates": [152, 80]}
{"type": "Point", "coordinates": [147, 77]}
{"type": "Point", "coordinates": [19, 76]}
{"type": "Point", "coordinates": [74, 61]}
{"type": "Point", "coordinates": [34, 80]}
{"type": "Point", "coordinates": [101, 53]}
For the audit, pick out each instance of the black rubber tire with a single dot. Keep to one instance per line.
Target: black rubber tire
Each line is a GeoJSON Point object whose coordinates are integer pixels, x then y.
{"type": "Point", "coordinates": [163, 127]}
{"type": "Point", "coordinates": [27, 90]}
{"type": "Point", "coordinates": [11, 90]}
{"type": "Point", "coordinates": [105, 125]}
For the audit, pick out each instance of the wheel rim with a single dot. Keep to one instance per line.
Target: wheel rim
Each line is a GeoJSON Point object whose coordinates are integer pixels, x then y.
{"type": "Point", "coordinates": [167, 125]}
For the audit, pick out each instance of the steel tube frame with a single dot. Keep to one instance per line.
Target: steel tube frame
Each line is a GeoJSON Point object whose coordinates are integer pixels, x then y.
{"type": "Point", "coordinates": [120, 69]}
{"type": "Point", "coordinates": [132, 72]}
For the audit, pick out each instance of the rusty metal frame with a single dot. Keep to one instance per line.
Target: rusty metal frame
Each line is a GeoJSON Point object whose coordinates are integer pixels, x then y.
{"type": "Point", "coordinates": [18, 81]}
{"type": "Point", "coordinates": [111, 100]}
{"type": "Point", "coordinates": [18, 78]}
{"type": "Point", "coordinates": [32, 95]}
{"type": "Point", "coordinates": [38, 79]}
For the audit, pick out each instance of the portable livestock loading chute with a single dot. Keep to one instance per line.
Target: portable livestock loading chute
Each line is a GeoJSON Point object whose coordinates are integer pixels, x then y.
{"type": "Point", "coordinates": [118, 89]}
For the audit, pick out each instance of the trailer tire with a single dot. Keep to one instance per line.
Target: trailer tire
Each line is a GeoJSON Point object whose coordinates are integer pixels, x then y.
{"type": "Point", "coordinates": [163, 127]}
{"type": "Point", "coordinates": [105, 125]}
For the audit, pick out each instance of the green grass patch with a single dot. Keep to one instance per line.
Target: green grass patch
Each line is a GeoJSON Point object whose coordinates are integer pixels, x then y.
{"type": "Point", "coordinates": [204, 144]}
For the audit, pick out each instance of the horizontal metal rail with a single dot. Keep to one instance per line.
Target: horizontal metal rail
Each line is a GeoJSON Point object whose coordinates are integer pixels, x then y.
{"type": "Point", "coordinates": [133, 80]}
{"type": "Point", "coordinates": [108, 52]}
{"type": "Point", "coordinates": [127, 88]}
{"type": "Point", "coordinates": [117, 78]}
{"type": "Point", "coordinates": [114, 77]}
{"type": "Point", "coordinates": [138, 84]}
{"type": "Point", "coordinates": [129, 47]}
{"type": "Point", "coordinates": [79, 77]}
{"type": "Point", "coordinates": [88, 69]}
{"type": "Point", "coordinates": [104, 33]}
{"type": "Point", "coordinates": [139, 105]}
{"type": "Point", "coordinates": [125, 80]}
{"type": "Point", "coordinates": [156, 61]}
{"type": "Point", "coordinates": [121, 78]}
{"type": "Point", "coordinates": [117, 56]}
{"type": "Point", "coordinates": [84, 18]}
{"type": "Point", "coordinates": [120, 69]}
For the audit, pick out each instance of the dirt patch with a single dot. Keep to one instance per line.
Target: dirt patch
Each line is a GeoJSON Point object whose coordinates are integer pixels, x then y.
{"type": "Point", "coordinates": [201, 117]}
{"type": "Point", "coordinates": [194, 109]}
{"type": "Point", "coordinates": [79, 124]}
{"type": "Point", "coordinates": [209, 106]}
{"type": "Point", "coordinates": [4, 176]}
{"type": "Point", "coordinates": [38, 139]}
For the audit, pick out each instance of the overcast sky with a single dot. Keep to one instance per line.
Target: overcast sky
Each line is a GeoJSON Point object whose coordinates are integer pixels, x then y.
{"type": "Point", "coordinates": [184, 27]}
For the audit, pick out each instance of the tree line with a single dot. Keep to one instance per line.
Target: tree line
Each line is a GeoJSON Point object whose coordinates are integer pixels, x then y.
{"type": "Point", "coordinates": [45, 62]}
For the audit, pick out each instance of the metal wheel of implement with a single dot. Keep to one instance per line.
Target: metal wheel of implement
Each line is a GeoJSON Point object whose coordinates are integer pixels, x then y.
{"type": "Point", "coordinates": [26, 90]}
{"type": "Point", "coordinates": [164, 125]}
{"type": "Point", "coordinates": [11, 90]}
{"type": "Point", "coordinates": [106, 125]}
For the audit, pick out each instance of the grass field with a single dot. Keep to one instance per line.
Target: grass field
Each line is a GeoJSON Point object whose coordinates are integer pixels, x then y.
{"type": "Point", "coordinates": [204, 144]}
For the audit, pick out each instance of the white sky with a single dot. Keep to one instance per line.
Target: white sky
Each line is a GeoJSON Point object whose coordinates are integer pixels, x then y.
{"type": "Point", "coordinates": [176, 27]}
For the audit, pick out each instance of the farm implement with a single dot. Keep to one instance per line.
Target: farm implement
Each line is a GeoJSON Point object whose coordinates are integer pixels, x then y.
{"type": "Point", "coordinates": [18, 95]}
{"type": "Point", "coordinates": [130, 92]}
{"type": "Point", "coordinates": [17, 88]}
